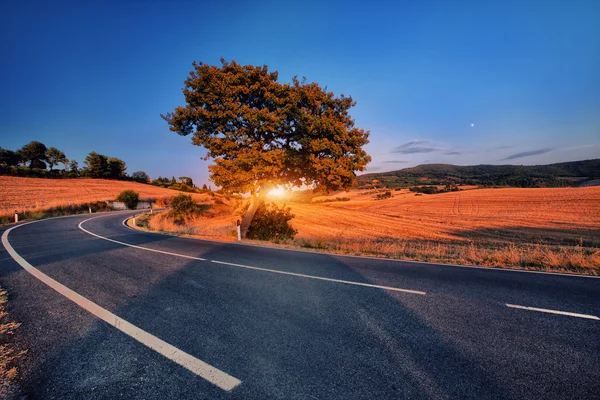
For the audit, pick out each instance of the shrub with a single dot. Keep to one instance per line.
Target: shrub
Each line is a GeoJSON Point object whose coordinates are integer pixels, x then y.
{"type": "Point", "coordinates": [184, 207]}
{"type": "Point", "coordinates": [163, 202]}
{"type": "Point", "coordinates": [272, 223]}
{"type": "Point", "coordinates": [425, 189]}
{"type": "Point", "coordinates": [130, 198]}
{"type": "Point", "coordinates": [332, 200]}
{"type": "Point", "coordinates": [317, 244]}
{"type": "Point", "coordinates": [385, 195]}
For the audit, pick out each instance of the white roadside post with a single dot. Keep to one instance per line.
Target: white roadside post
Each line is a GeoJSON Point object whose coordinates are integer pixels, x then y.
{"type": "Point", "coordinates": [16, 216]}
{"type": "Point", "coordinates": [239, 230]}
{"type": "Point", "coordinates": [134, 221]}
{"type": "Point", "coordinates": [90, 209]}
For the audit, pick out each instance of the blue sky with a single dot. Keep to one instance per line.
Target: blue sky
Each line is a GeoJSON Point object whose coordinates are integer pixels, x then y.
{"type": "Point", "coordinates": [460, 82]}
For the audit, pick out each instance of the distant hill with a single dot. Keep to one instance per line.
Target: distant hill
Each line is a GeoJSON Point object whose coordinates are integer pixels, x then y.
{"type": "Point", "coordinates": [574, 173]}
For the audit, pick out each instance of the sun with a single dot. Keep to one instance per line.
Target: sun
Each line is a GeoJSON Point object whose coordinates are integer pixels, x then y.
{"type": "Point", "coordinates": [277, 192]}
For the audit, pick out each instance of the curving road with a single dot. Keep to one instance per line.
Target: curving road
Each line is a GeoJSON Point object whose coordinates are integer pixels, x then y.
{"type": "Point", "coordinates": [109, 312]}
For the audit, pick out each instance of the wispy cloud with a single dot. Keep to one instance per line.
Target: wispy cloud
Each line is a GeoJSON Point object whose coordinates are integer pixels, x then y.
{"type": "Point", "coordinates": [501, 148]}
{"type": "Point", "coordinates": [417, 146]}
{"type": "Point", "coordinates": [454, 153]}
{"type": "Point", "coordinates": [395, 162]}
{"type": "Point", "coordinates": [527, 154]}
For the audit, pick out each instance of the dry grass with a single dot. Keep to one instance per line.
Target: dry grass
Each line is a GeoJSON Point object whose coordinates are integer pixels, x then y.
{"type": "Point", "coordinates": [536, 257]}
{"type": "Point", "coordinates": [557, 229]}
{"type": "Point", "coordinates": [217, 222]}
{"type": "Point", "coordinates": [37, 194]}
{"type": "Point", "coordinates": [543, 229]}
{"type": "Point", "coordinates": [548, 229]}
{"type": "Point", "coordinates": [9, 353]}
{"type": "Point", "coordinates": [550, 216]}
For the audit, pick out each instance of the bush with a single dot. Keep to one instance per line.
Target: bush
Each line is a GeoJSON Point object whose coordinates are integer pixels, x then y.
{"type": "Point", "coordinates": [425, 189]}
{"type": "Point", "coordinates": [130, 198]}
{"type": "Point", "coordinates": [386, 195]}
{"type": "Point", "coordinates": [184, 207]}
{"type": "Point", "coordinates": [163, 202]}
{"type": "Point", "coordinates": [272, 223]}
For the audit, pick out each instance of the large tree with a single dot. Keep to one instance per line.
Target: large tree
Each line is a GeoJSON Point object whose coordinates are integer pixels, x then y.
{"type": "Point", "coordinates": [115, 168]}
{"type": "Point", "coordinates": [34, 153]}
{"type": "Point", "coordinates": [96, 165]}
{"type": "Point", "coordinates": [55, 156]}
{"type": "Point", "coordinates": [140, 176]}
{"type": "Point", "coordinates": [261, 133]}
{"type": "Point", "coordinates": [74, 171]}
{"type": "Point", "coordinates": [101, 166]}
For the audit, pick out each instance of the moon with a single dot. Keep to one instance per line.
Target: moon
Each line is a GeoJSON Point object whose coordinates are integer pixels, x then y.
{"type": "Point", "coordinates": [472, 125]}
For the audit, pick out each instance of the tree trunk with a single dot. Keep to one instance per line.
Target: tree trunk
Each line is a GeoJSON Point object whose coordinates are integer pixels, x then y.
{"type": "Point", "coordinates": [255, 202]}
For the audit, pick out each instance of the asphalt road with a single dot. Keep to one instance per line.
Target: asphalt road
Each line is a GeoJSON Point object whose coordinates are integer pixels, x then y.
{"type": "Point", "coordinates": [285, 324]}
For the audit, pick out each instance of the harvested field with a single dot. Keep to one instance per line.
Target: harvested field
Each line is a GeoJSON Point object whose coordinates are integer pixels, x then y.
{"type": "Point", "coordinates": [543, 229]}
{"type": "Point", "coordinates": [24, 194]}
{"type": "Point", "coordinates": [549, 216]}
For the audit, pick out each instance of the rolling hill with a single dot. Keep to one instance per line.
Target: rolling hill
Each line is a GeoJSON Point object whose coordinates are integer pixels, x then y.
{"type": "Point", "coordinates": [574, 173]}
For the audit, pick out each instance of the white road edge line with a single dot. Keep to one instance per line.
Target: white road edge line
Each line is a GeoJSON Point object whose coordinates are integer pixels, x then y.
{"type": "Point", "coordinates": [396, 260]}
{"type": "Point", "coordinates": [256, 268]}
{"type": "Point", "coordinates": [570, 314]}
{"type": "Point", "coordinates": [208, 372]}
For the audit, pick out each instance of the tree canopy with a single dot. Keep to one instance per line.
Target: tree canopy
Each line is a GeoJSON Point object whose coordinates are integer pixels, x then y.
{"type": "Point", "coordinates": [55, 156]}
{"type": "Point", "coordinates": [8, 157]}
{"type": "Point", "coordinates": [262, 133]}
{"type": "Point", "coordinates": [74, 169]}
{"type": "Point", "coordinates": [115, 168]}
{"type": "Point", "coordinates": [101, 166]}
{"type": "Point", "coordinates": [186, 180]}
{"type": "Point", "coordinates": [140, 176]}
{"type": "Point", "coordinates": [35, 153]}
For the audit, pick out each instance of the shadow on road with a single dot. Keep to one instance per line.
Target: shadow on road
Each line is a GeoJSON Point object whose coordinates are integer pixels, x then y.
{"type": "Point", "coordinates": [284, 336]}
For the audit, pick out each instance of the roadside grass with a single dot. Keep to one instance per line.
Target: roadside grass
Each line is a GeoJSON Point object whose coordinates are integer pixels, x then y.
{"type": "Point", "coordinates": [10, 354]}
{"type": "Point", "coordinates": [535, 229]}
{"type": "Point", "coordinates": [539, 257]}
{"type": "Point", "coordinates": [57, 211]}
{"type": "Point", "coordinates": [211, 224]}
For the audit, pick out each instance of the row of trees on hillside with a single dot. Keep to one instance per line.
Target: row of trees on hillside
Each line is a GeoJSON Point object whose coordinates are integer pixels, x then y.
{"type": "Point", "coordinates": [34, 155]}
{"type": "Point", "coordinates": [183, 184]}
{"type": "Point", "coordinates": [35, 159]}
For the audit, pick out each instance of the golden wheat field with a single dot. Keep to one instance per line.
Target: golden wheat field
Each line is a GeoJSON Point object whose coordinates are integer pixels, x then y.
{"type": "Point", "coordinates": [553, 216]}
{"type": "Point", "coordinates": [542, 229]}
{"type": "Point", "coordinates": [554, 229]}
{"type": "Point", "coordinates": [24, 194]}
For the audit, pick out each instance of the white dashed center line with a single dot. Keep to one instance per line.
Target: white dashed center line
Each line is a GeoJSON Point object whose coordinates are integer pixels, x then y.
{"type": "Point", "coordinates": [544, 310]}
{"type": "Point", "coordinates": [274, 271]}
